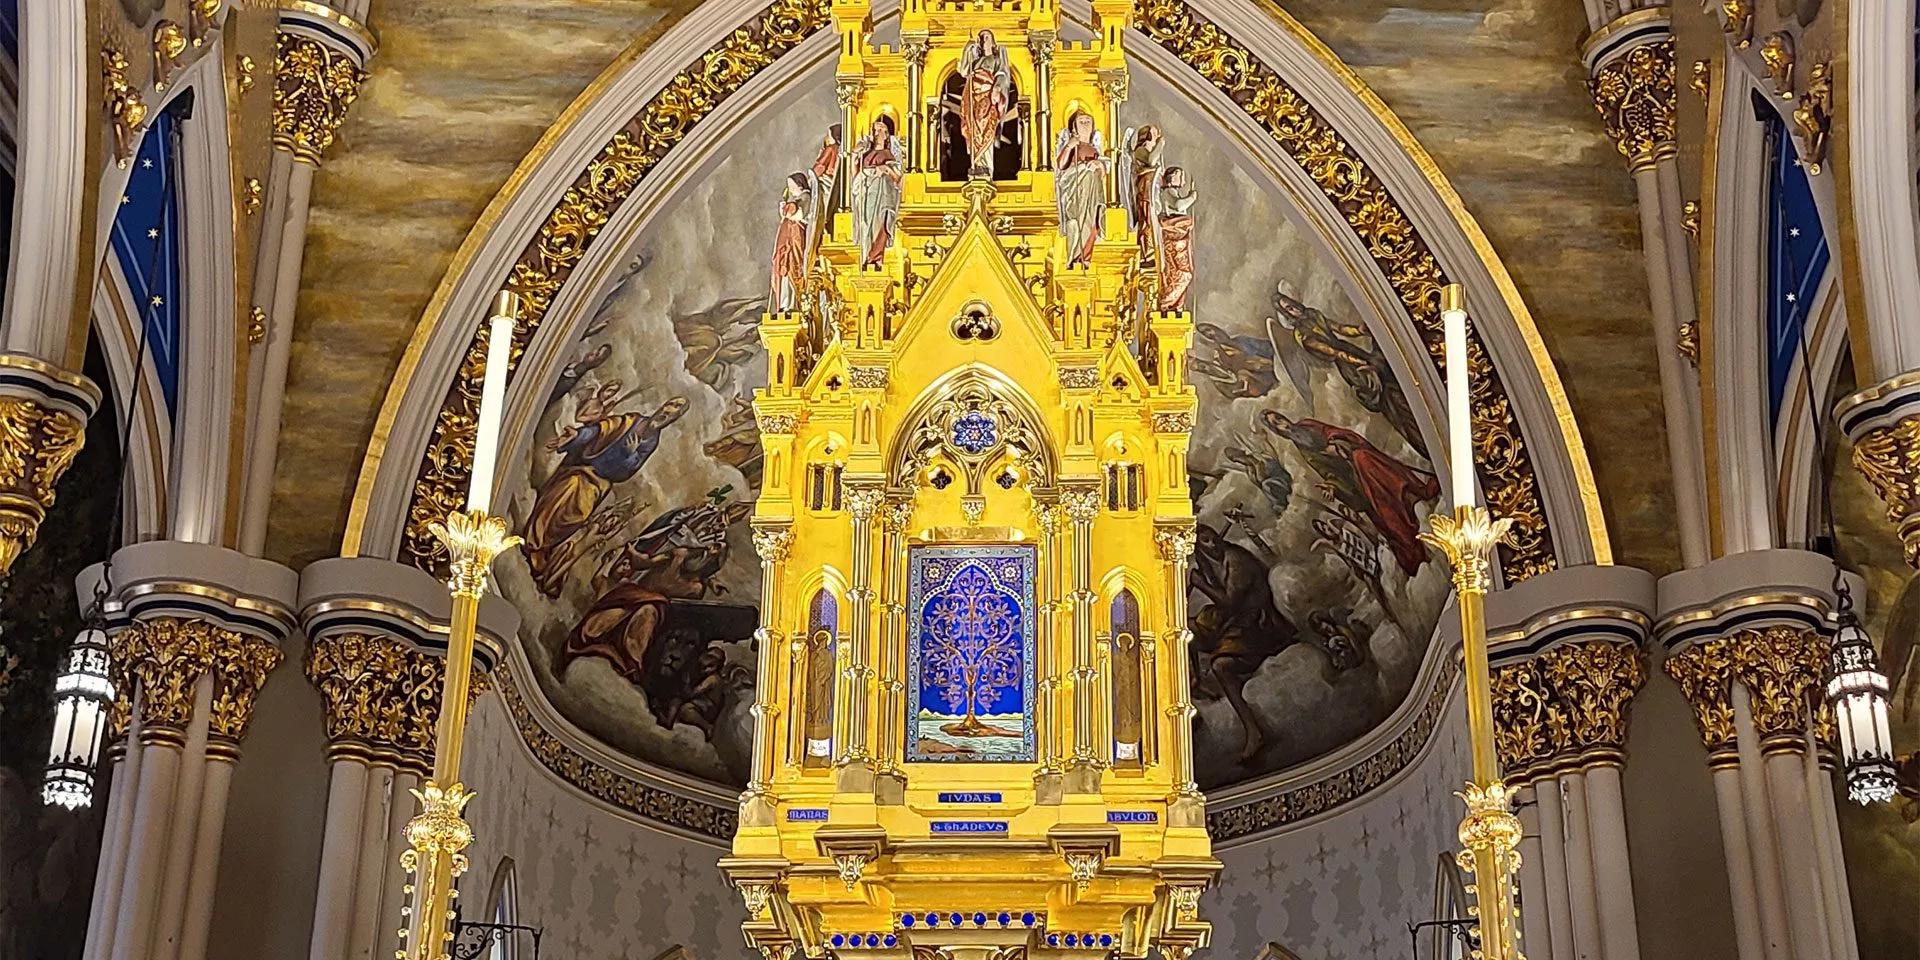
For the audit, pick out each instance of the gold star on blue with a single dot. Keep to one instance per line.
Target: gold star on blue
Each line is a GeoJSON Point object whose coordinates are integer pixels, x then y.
{"type": "Point", "coordinates": [158, 300]}
{"type": "Point", "coordinates": [125, 199]}
{"type": "Point", "coordinates": [146, 164]}
{"type": "Point", "coordinates": [153, 233]}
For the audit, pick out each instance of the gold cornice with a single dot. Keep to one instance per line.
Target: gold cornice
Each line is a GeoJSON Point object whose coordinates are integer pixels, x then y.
{"type": "Point", "coordinates": [146, 588]}
{"type": "Point", "coordinates": [1544, 622]}
{"type": "Point", "coordinates": [1879, 390]}
{"type": "Point", "coordinates": [1692, 615]}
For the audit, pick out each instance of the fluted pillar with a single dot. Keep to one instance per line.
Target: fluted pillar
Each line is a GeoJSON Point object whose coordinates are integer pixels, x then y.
{"type": "Point", "coordinates": [1747, 642]}
{"type": "Point", "coordinates": [895, 518]}
{"type": "Point", "coordinates": [376, 651]}
{"type": "Point", "coordinates": [855, 752]}
{"type": "Point", "coordinates": [1081, 504]}
{"type": "Point", "coordinates": [772, 541]}
{"type": "Point", "coordinates": [1568, 662]}
{"type": "Point", "coordinates": [319, 66]}
{"type": "Point", "coordinates": [196, 631]}
{"type": "Point", "coordinates": [1630, 61]}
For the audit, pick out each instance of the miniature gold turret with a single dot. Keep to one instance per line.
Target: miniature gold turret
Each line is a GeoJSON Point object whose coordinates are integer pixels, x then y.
{"type": "Point", "coordinates": [973, 728]}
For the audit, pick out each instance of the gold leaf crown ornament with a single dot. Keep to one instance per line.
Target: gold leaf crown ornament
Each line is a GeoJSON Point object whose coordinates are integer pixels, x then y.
{"type": "Point", "coordinates": [1468, 538]}
{"type": "Point", "coordinates": [472, 539]}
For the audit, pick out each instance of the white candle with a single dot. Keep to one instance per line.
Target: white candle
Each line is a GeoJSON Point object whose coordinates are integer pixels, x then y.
{"type": "Point", "coordinates": [493, 400]}
{"type": "Point", "coordinates": [1453, 313]}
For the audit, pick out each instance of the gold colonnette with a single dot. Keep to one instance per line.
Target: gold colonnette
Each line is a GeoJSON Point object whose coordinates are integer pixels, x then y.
{"type": "Point", "coordinates": [313, 85]}
{"type": "Point", "coordinates": [1370, 209]}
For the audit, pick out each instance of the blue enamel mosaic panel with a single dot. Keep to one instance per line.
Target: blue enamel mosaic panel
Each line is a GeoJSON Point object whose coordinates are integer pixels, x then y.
{"type": "Point", "coordinates": [970, 654]}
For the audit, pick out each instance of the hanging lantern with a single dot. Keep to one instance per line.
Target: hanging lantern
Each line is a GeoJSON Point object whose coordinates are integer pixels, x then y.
{"type": "Point", "coordinates": [81, 697]}
{"type": "Point", "coordinates": [1857, 692]}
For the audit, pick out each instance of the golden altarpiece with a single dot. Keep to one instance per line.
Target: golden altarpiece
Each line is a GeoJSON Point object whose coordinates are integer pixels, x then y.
{"type": "Point", "coordinates": [974, 732]}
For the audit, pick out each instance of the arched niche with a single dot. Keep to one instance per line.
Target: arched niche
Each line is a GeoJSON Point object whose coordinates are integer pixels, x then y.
{"type": "Point", "coordinates": [1365, 201]}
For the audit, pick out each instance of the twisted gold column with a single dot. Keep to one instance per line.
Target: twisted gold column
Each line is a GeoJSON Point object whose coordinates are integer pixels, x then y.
{"type": "Point", "coordinates": [1490, 832]}
{"type": "Point", "coordinates": [438, 835]}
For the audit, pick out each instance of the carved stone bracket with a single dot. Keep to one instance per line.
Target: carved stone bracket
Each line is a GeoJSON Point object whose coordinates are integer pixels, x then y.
{"type": "Point", "coordinates": [1884, 424]}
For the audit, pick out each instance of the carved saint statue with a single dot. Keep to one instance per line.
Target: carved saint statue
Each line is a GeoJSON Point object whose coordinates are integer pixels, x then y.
{"type": "Point", "coordinates": [986, 101]}
{"type": "Point", "coordinates": [1175, 203]}
{"type": "Point", "coordinates": [876, 189]}
{"type": "Point", "coordinates": [1079, 184]}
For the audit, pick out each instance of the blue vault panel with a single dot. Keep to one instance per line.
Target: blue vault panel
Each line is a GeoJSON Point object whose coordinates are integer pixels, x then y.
{"type": "Point", "coordinates": [970, 626]}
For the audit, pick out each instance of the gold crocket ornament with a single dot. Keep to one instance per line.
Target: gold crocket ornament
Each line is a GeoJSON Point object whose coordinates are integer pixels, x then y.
{"type": "Point", "coordinates": [973, 731]}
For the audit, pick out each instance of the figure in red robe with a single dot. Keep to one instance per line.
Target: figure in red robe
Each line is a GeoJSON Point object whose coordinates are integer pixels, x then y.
{"type": "Point", "coordinates": [1366, 481]}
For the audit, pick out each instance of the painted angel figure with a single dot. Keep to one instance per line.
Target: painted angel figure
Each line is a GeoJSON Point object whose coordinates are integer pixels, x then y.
{"type": "Point", "coordinates": [1079, 184]}
{"type": "Point", "coordinates": [986, 101]}
{"type": "Point", "coordinates": [876, 189]}
{"type": "Point", "coordinates": [1175, 219]}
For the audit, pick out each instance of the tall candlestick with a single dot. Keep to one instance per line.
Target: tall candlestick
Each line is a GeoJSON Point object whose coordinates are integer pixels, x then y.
{"type": "Point", "coordinates": [1453, 313]}
{"type": "Point", "coordinates": [493, 401]}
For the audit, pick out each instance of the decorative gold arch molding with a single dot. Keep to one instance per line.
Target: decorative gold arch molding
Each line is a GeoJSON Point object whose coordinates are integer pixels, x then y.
{"type": "Point", "coordinates": [1396, 222]}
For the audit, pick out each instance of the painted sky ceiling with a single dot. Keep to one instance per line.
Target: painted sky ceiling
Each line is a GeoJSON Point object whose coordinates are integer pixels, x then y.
{"type": "Point", "coordinates": [460, 91]}
{"type": "Point", "coordinates": [1313, 602]}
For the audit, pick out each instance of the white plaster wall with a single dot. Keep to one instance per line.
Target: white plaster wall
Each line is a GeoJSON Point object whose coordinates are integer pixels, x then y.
{"type": "Point", "coordinates": [603, 886]}
{"type": "Point", "coordinates": [607, 888]}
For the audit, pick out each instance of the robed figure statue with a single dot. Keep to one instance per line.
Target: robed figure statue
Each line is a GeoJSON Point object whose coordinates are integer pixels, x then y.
{"type": "Point", "coordinates": [986, 100]}
{"type": "Point", "coordinates": [876, 190]}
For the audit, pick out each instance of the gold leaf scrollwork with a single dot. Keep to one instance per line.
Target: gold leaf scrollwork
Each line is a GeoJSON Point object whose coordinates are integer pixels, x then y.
{"type": "Point", "coordinates": [165, 657]}
{"type": "Point", "coordinates": [382, 697]}
{"type": "Point", "coordinates": [1781, 667]}
{"type": "Point", "coordinates": [125, 109]}
{"type": "Point", "coordinates": [573, 224]}
{"type": "Point", "coordinates": [1565, 705]}
{"type": "Point", "coordinates": [1704, 672]}
{"type": "Point", "coordinates": [1635, 95]}
{"type": "Point", "coordinates": [313, 85]}
{"type": "Point", "coordinates": [1889, 457]}
{"type": "Point", "coordinates": [37, 445]}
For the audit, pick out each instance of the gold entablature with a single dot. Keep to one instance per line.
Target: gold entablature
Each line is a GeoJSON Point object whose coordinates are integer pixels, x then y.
{"type": "Point", "coordinates": [313, 85]}
{"type": "Point", "coordinates": [1505, 463]}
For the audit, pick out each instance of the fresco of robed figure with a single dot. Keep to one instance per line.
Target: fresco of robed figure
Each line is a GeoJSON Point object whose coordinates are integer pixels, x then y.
{"type": "Point", "coordinates": [1312, 600]}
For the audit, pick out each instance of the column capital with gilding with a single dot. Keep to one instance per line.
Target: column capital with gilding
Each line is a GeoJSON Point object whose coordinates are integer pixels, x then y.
{"type": "Point", "coordinates": [1630, 63]}
{"type": "Point", "coordinates": [320, 58]}
{"type": "Point", "coordinates": [1567, 650]}
{"type": "Point", "coordinates": [43, 424]}
{"type": "Point", "coordinates": [1883, 421]}
{"type": "Point", "coordinates": [377, 645]}
{"type": "Point", "coordinates": [182, 612]}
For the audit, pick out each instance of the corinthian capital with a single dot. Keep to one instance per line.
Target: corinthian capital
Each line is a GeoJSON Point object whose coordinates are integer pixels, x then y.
{"type": "Point", "coordinates": [313, 86]}
{"type": "Point", "coordinates": [43, 422]}
{"type": "Point", "coordinates": [382, 697]}
{"type": "Point", "coordinates": [1634, 92]}
{"type": "Point", "coordinates": [1884, 424]}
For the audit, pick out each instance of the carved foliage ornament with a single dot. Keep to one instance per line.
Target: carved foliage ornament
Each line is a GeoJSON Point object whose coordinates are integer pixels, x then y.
{"type": "Point", "coordinates": [1391, 239]}
{"type": "Point", "coordinates": [166, 657]}
{"type": "Point", "coordinates": [1565, 702]}
{"type": "Point", "coordinates": [37, 445]}
{"type": "Point", "coordinates": [1813, 117]}
{"type": "Point", "coordinates": [380, 694]}
{"type": "Point", "coordinates": [125, 109]}
{"type": "Point", "coordinates": [1889, 457]}
{"type": "Point", "coordinates": [313, 85]}
{"type": "Point", "coordinates": [1635, 96]}
{"type": "Point", "coordinates": [1781, 667]}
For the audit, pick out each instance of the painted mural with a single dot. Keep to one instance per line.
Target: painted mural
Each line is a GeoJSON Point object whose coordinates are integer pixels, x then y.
{"type": "Point", "coordinates": [1312, 597]}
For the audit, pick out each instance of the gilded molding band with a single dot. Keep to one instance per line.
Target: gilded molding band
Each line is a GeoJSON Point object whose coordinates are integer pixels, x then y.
{"type": "Point", "coordinates": [1635, 95]}
{"type": "Point", "coordinates": [1389, 235]}
{"type": "Point", "coordinates": [1566, 706]}
{"type": "Point", "coordinates": [313, 85]}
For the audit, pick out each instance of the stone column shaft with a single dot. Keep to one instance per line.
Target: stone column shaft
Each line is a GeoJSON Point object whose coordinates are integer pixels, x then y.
{"type": "Point", "coordinates": [1558, 906]}
{"type": "Point", "coordinates": [1613, 877]}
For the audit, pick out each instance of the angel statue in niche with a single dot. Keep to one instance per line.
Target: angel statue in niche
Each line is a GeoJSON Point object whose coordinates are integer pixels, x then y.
{"type": "Point", "coordinates": [876, 189]}
{"type": "Point", "coordinates": [1079, 185]}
